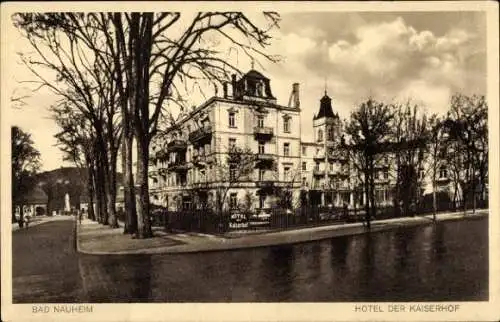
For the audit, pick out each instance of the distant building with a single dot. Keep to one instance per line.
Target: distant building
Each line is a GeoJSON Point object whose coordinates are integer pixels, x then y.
{"type": "Point", "coordinates": [34, 203]}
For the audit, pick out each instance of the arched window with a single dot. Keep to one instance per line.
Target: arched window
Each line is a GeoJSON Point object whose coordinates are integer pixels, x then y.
{"type": "Point", "coordinates": [320, 135]}
{"type": "Point", "coordinates": [330, 134]}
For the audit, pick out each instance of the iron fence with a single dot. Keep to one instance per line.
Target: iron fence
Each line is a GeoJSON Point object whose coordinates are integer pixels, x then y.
{"type": "Point", "coordinates": [207, 221]}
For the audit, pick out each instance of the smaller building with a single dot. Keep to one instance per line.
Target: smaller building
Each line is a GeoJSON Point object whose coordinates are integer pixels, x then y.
{"type": "Point", "coordinates": [34, 203]}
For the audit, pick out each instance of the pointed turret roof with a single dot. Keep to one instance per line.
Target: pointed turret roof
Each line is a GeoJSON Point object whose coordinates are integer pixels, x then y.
{"type": "Point", "coordinates": [325, 107]}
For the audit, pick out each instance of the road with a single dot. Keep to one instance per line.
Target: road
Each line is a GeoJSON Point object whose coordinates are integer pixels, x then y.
{"type": "Point", "coordinates": [45, 264]}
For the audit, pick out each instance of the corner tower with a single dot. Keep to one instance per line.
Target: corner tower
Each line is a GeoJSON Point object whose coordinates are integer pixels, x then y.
{"type": "Point", "coordinates": [326, 123]}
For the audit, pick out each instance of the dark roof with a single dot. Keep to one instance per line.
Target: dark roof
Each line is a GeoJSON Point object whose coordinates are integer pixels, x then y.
{"type": "Point", "coordinates": [255, 74]}
{"type": "Point", "coordinates": [36, 196]}
{"type": "Point", "coordinates": [325, 108]}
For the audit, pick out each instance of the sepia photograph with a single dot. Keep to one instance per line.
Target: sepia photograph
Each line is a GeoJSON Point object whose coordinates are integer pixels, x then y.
{"type": "Point", "coordinates": [328, 159]}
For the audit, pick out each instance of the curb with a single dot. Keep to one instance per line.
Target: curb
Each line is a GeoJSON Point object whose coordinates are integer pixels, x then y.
{"type": "Point", "coordinates": [287, 237]}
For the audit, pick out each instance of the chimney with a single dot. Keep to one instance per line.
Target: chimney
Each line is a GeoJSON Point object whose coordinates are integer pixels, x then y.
{"type": "Point", "coordinates": [294, 96]}
{"type": "Point", "coordinates": [233, 85]}
{"type": "Point", "coordinates": [224, 88]}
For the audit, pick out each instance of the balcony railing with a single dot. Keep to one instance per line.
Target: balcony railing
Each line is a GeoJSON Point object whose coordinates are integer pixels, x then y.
{"type": "Point", "coordinates": [317, 172]}
{"type": "Point", "coordinates": [199, 160]}
{"type": "Point", "coordinates": [264, 157]}
{"type": "Point", "coordinates": [319, 157]}
{"type": "Point", "coordinates": [263, 184]}
{"type": "Point", "coordinates": [442, 179]}
{"type": "Point", "coordinates": [201, 133]}
{"type": "Point", "coordinates": [263, 132]}
{"type": "Point", "coordinates": [264, 160]}
{"type": "Point", "coordinates": [176, 145]}
{"type": "Point", "coordinates": [177, 166]}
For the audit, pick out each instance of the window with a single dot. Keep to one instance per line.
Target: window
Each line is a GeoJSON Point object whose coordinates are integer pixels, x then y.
{"type": "Point", "coordinates": [331, 166]}
{"type": "Point", "coordinates": [316, 167]}
{"type": "Point", "coordinates": [260, 121]}
{"type": "Point", "coordinates": [233, 200]}
{"type": "Point", "coordinates": [202, 175]}
{"type": "Point", "coordinates": [386, 174]}
{"type": "Point", "coordinates": [286, 149]}
{"type": "Point", "coordinates": [262, 201]}
{"type": "Point", "coordinates": [330, 134]}
{"type": "Point", "coordinates": [320, 135]}
{"type": "Point", "coordinates": [259, 87]}
{"type": "Point", "coordinates": [232, 172]}
{"type": "Point", "coordinates": [304, 150]}
{"type": "Point", "coordinates": [286, 125]}
{"type": "Point", "coordinates": [421, 174]}
{"type": "Point", "coordinates": [286, 173]}
{"type": "Point", "coordinates": [262, 173]}
{"type": "Point", "coordinates": [232, 119]}
{"type": "Point", "coordinates": [232, 143]}
{"type": "Point", "coordinates": [304, 181]}
{"type": "Point", "coordinates": [443, 172]}
{"type": "Point", "coordinates": [261, 147]}
{"type": "Point", "coordinates": [304, 166]}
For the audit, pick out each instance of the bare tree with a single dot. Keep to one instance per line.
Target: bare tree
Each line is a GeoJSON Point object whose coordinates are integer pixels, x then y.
{"type": "Point", "coordinates": [466, 125]}
{"type": "Point", "coordinates": [435, 156]}
{"type": "Point", "coordinates": [367, 132]}
{"type": "Point", "coordinates": [410, 135]}
{"type": "Point", "coordinates": [82, 80]}
{"type": "Point", "coordinates": [146, 54]}
{"type": "Point", "coordinates": [77, 142]}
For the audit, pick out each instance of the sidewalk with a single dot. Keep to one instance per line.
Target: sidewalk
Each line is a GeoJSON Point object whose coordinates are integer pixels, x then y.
{"type": "Point", "coordinates": [35, 221]}
{"type": "Point", "coordinates": [97, 239]}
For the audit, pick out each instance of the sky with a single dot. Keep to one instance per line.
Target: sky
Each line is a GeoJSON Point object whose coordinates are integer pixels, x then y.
{"type": "Point", "coordinates": [391, 56]}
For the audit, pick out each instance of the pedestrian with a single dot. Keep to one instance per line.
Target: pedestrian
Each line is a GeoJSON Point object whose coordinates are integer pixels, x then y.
{"type": "Point", "coordinates": [27, 220]}
{"type": "Point", "coordinates": [80, 216]}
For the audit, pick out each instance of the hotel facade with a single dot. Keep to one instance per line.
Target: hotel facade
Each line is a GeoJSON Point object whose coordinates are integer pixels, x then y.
{"type": "Point", "coordinates": [187, 161]}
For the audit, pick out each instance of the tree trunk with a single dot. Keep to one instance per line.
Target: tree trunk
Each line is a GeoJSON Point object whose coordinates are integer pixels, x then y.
{"type": "Point", "coordinates": [90, 191]}
{"type": "Point", "coordinates": [367, 197]}
{"type": "Point", "coordinates": [142, 198]}
{"type": "Point", "coordinates": [128, 185]}
{"type": "Point", "coordinates": [113, 221]}
{"type": "Point", "coordinates": [434, 198]}
{"type": "Point", "coordinates": [373, 205]}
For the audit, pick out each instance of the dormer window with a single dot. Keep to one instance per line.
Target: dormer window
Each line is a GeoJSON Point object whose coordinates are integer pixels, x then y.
{"type": "Point", "coordinates": [260, 121]}
{"type": "Point", "coordinates": [259, 88]}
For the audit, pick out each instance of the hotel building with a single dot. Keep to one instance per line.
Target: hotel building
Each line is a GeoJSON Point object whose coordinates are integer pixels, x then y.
{"type": "Point", "coordinates": [187, 161]}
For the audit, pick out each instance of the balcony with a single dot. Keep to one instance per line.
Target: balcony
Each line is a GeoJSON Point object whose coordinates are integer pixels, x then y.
{"type": "Point", "coordinates": [199, 160]}
{"type": "Point", "coordinates": [176, 145]}
{"type": "Point", "coordinates": [178, 166]}
{"type": "Point", "coordinates": [338, 157]}
{"type": "Point", "coordinates": [442, 180]}
{"type": "Point", "coordinates": [264, 184]}
{"type": "Point", "coordinates": [201, 134]}
{"type": "Point", "coordinates": [319, 157]}
{"type": "Point", "coordinates": [264, 159]}
{"type": "Point", "coordinates": [263, 132]}
{"type": "Point", "coordinates": [161, 155]}
{"type": "Point", "coordinates": [317, 172]}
